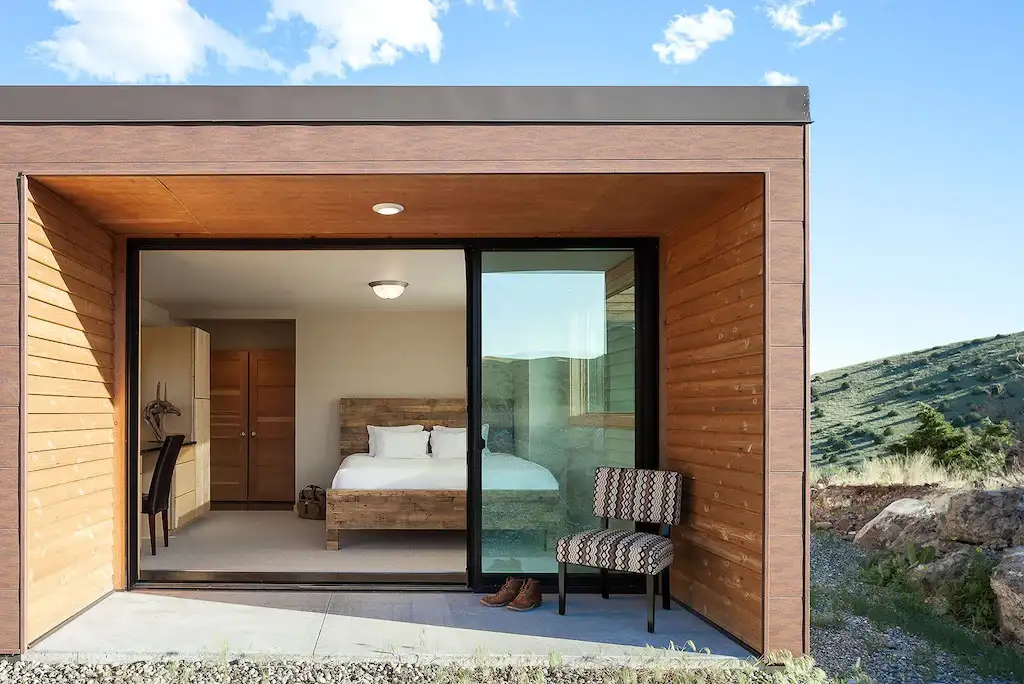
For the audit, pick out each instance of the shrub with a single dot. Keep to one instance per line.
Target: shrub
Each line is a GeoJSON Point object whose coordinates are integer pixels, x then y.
{"type": "Point", "coordinates": [886, 362]}
{"type": "Point", "coordinates": [887, 431]}
{"type": "Point", "coordinates": [877, 438]}
{"type": "Point", "coordinates": [984, 377]}
{"type": "Point", "coordinates": [970, 599]}
{"type": "Point", "coordinates": [890, 570]}
{"type": "Point", "coordinates": [876, 408]}
{"type": "Point", "coordinates": [975, 361]}
{"type": "Point", "coordinates": [844, 375]}
{"type": "Point", "coordinates": [845, 386]}
{"type": "Point", "coordinates": [891, 414]}
{"type": "Point", "coordinates": [814, 393]}
{"type": "Point", "coordinates": [843, 444]}
{"type": "Point", "coordinates": [997, 389]}
{"type": "Point", "coordinates": [957, 449]}
{"type": "Point", "coordinates": [958, 422]}
{"type": "Point", "coordinates": [817, 412]}
{"type": "Point", "coordinates": [972, 417]}
{"type": "Point", "coordinates": [951, 367]}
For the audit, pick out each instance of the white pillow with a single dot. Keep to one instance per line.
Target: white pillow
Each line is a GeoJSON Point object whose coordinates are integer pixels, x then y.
{"type": "Point", "coordinates": [372, 431]}
{"type": "Point", "coordinates": [448, 444]}
{"type": "Point", "coordinates": [399, 444]}
{"type": "Point", "coordinates": [484, 429]}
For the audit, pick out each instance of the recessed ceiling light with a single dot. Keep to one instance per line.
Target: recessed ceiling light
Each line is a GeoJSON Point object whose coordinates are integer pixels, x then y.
{"type": "Point", "coordinates": [388, 289]}
{"type": "Point", "coordinates": [388, 208]}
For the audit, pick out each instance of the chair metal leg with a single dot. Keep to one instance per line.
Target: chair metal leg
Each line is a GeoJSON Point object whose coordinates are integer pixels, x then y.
{"type": "Point", "coordinates": [666, 590]}
{"type": "Point", "coordinates": [561, 588]}
{"type": "Point", "coordinates": [164, 516]}
{"type": "Point", "coordinates": [152, 533]}
{"type": "Point", "coordinates": [650, 603]}
{"type": "Point", "coordinates": [604, 583]}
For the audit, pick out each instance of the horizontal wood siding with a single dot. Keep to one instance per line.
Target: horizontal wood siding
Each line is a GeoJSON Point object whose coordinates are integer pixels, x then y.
{"type": "Point", "coordinates": [712, 292]}
{"type": "Point", "coordinates": [70, 421]}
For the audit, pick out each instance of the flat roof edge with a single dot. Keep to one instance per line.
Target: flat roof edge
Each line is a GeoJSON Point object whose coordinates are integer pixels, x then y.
{"type": "Point", "coordinates": [88, 104]}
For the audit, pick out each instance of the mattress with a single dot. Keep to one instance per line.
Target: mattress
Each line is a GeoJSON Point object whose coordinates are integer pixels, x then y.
{"type": "Point", "coordinates": [500, 472]}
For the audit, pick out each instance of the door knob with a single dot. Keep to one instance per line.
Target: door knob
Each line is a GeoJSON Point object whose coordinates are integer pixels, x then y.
{"type": "Point", "coordinates": [253, 434]}
{"type": "Point", "coordinates": [242, 435]}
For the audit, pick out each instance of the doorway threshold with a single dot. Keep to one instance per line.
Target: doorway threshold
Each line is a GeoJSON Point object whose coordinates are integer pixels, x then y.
{"type": "Point", "coordinates": [393, 581]}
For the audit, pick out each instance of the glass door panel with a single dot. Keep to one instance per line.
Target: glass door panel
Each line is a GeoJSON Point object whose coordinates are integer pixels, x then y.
{"type": "Point", "coordinates": [558, 385]}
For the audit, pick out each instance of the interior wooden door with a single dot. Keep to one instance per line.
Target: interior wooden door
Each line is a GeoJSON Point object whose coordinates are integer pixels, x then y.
{"type": "Point", "coordinates": [229, 426]}
{"type": "Point", "coordinates": [272, 426]}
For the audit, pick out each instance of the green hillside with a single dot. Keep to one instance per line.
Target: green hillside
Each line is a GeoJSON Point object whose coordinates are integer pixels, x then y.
{"type": "Point", "coordinates": [857, 410]}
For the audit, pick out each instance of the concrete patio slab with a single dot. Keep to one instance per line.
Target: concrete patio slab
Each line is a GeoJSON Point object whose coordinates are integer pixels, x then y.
{"type": "Point", "coordinates": [368, 625]}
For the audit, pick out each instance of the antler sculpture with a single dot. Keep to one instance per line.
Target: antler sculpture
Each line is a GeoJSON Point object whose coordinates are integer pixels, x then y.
{"type": "Point", "coordinates": [154, 413]}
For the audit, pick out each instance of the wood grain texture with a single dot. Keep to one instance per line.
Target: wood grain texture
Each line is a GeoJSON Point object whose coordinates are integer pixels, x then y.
{"type": "Point", "coordinates": [71, 448]}
{"type": "Point", "coordinates": [393, 509]}
{"type": "Point", "coordinates": [786, 247]}
{"type": "Point", "coordinates": [440, 204]}
{"type": "Point", "coordinates": [357, 413]}
{"type": "Point", "coordinates": [713, 421]}
{"type": "Point", "coordinates": [113, 145]}
{"type": "Point", "coordinates": [786, 315]}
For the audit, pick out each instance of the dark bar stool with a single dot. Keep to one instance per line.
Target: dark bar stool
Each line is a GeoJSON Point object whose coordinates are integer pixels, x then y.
{"type": "Point", "coordinates": [159, 496]}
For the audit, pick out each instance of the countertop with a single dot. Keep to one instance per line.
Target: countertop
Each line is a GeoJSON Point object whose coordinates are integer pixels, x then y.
{"type": "Point", "coordinates": [156, 446]}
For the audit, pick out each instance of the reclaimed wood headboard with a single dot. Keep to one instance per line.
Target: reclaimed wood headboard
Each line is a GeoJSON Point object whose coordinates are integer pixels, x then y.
{"type": "Point", "coordinates": [357, 413]}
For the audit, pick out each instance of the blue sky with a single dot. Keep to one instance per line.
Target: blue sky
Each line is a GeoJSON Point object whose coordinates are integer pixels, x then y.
{"type": "Point", "coordinates": [917, 150]}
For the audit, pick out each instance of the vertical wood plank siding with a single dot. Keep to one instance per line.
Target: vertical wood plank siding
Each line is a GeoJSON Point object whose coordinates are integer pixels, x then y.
{"type": "Point", "coordinates": [10, 416]}
{"type": "Point", "coordinates": [70, 414]}
{"type": "Point", "coordinates": [787, 610]}
{"type": "Point", "coordinates": [713, 295]}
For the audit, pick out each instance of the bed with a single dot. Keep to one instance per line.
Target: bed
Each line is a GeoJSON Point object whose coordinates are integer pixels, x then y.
{"type": "Point", "coordinates": [370, 493]}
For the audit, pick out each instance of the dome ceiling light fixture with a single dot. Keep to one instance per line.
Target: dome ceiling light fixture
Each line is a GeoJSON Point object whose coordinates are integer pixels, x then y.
{"type": "Point", "coordinates": [388, 208]}
{"type": "Point", "coordinates": [388, 289]}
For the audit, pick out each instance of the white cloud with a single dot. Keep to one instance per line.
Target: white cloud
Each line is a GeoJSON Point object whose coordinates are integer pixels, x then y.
{"type": "Point", "coordinates": [688, 36]}
{"type": "Point", "coordinates": [777, 78]}
{"type": "Point", "coordinates": [357, 34]}
{"type": "Point", "coordinates": [788, 16]}
{"type": "Point", "coordinates": [131, 41]}
{"type": "Point", "coordinates": [507, 5]}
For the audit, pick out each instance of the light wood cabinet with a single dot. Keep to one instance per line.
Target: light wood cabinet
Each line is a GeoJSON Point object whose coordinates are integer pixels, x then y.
{"type": "Point", "coordinates": [178, 357]}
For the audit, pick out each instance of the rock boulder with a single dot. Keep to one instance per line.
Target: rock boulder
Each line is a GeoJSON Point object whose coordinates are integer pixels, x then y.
{"type": "Point", "coordinates": [903, 522]}
{"type": "Point", "coordinates": [1008, 585]}
{"type": "Point", "coordinates": [991, 519]}
{"type": "Point", "coordinates": [931, 577]}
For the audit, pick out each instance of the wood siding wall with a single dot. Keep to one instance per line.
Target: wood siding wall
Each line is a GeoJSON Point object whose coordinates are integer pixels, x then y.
{"type": "Point", "coordinates": [777, 153]}
{"type": "Point", "coordinates": [70, 421]}
{"type": "Point", "coordinates": [10, 417]}
{"type": "Point", "coordinates": [713, 350]}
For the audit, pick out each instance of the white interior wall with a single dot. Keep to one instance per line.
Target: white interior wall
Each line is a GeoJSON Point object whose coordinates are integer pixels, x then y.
{"type": "Point", "coordinates": [367, 354]}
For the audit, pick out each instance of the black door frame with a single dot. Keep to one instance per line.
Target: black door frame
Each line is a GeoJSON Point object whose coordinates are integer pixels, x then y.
{"type": "Point", "coordinates": [647, 397]}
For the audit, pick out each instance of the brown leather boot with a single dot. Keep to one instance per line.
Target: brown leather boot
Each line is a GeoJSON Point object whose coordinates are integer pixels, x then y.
{"type": "Point", "coordinates": [509, 590]}
{"type": "Point", "coordinates": [528, 598]}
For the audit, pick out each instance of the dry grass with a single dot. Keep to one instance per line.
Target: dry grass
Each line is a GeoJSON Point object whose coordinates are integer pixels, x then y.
{"type": "Point", "coordinates": [915, 469]}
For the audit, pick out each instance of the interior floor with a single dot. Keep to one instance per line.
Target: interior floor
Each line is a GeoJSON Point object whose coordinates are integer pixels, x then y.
{"type": "Point", "coordinates": [280, 541]}
{"type": "Point", "coordinates": [370, 625]}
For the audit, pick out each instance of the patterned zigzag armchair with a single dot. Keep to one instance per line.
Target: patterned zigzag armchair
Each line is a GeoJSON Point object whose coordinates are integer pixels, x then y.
{"type": "Point", "coordinates": [643, 496]}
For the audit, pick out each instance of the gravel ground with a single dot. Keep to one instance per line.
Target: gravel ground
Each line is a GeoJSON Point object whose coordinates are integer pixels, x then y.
{"type": "Point", "coordinates": [839, 641]}
{"type": "Point", "coordinates": [324, 672]}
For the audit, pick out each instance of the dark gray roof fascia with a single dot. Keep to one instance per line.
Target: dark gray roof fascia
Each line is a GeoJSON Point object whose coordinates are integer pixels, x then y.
{"type": "Point", "coordinates": [89, 104]}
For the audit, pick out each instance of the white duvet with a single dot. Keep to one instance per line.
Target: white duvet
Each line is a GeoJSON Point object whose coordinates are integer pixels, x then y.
{"type": "Point", "coordinates": [500, 472]}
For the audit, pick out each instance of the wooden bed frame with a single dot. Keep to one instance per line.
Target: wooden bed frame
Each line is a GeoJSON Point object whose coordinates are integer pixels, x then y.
{"type": "Point", "coordinates": [426, 509]}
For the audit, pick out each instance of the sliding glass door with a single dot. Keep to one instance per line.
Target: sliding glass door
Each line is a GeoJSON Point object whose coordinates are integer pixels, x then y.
{"type": "Point", "coordinates": [558, 395]}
